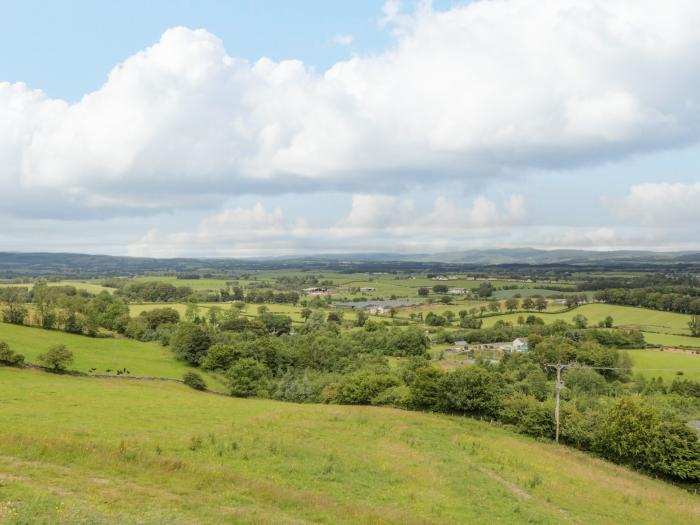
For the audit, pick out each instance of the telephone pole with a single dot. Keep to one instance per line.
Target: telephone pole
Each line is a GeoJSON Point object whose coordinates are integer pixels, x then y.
{"type": "Point", "coordinates": [556, 408]}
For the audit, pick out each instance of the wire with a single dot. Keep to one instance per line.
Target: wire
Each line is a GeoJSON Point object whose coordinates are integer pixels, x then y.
{"type": "Point", "coordinates": [619, 368]}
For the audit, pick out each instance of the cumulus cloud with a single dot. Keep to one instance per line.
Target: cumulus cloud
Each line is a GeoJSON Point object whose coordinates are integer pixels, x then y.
{"type": "Point", "coordinates": [343, 40]}
{"type": "Point", "coordinates": [662, 204]}
{"type": "Point", "coordinates": [469, 93]}
{"type": "Point", "coordinates": [374, 223]}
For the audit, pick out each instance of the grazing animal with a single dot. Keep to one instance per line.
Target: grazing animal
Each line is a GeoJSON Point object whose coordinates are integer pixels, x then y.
{"type": "Point", "coordinates": [109, 370]}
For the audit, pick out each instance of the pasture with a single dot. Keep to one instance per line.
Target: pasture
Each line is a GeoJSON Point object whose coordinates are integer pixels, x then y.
{"type": "Point", "coordinates": [623, 316]}
{"type": "Point", "coordinates": [671, 362]}
{"type": "Point", "coordinates": [141, 359]}
{"type": "Point", "coordinates": [85, 450]}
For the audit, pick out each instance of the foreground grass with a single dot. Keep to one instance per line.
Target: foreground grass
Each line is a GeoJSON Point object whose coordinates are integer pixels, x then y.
{"type": "Point", "coordinates": [141, 359]}
{"type": "Point", "coordinates": [81, 450]}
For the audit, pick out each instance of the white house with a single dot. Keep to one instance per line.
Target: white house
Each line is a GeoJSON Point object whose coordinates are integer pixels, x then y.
{"type": "Point", "coordinates": [520, 345]}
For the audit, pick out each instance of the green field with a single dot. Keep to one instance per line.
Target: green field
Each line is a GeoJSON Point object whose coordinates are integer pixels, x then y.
{"type": "Point", "coordinates": [623, 316]}
{"type": "Point", "coordinates": [672, 362]}
{"type": "Point", "coordinates": [670, 340]}
{"type": "Point", "coordinates": [141, 359]}
{"type": "Point", "coordinates": [85, 450]}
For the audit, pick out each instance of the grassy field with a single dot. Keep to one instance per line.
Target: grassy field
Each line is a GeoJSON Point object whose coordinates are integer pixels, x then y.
{"type": "Point", "coordinates": [141, 359]}
{"type": "Point", "coordinates": [685, 362]}
{"type": "Point", "coordinates": [81, 450]}
{"type": "Point", "coordinates": [670, 340]}
{"type": "Point", "coordinates": [626, 316]}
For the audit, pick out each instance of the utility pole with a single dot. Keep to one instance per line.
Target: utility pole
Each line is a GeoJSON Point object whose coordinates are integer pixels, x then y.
{"type": "Point", "coordinates": [556, 408]}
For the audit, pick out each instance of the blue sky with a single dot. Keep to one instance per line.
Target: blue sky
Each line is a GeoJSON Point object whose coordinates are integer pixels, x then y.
{"type": "Point", "coordinates": [367, 126]}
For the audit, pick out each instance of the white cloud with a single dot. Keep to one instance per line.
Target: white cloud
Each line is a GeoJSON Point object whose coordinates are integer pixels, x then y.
{"type": "Point", "coordinates": [343, 40]}
{"type": "Point", "coordinates": [663, 204]}
{"type": "Point", "coordinates": [374, 223]}
{"type": "Point", "coordinates": [468, 93]}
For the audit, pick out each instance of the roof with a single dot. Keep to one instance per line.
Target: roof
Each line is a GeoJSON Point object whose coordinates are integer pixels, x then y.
{"type": "Point", "coordinates": [520, 341]}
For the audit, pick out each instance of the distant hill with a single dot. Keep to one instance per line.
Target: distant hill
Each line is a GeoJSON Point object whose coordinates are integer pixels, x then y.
{"type": "Point", "coordinates": [17, 264]}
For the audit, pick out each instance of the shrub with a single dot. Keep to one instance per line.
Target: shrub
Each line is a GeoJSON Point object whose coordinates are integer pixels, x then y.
{"type": "Point", "coordinates": [362, 386]}
{"type": "Point", "coordinates": [471, 390]}
{"type": "Point", "coordinates": [8, 357]}
{"type": "Point", "coordinates": [248, 377]}
{"type": "Point", "coordinates": [529, 415]}
{"type": "Point", "coordinates": [395, 396]}
{"type": "Point", "coordinates": [633, 433]}
{"type": "Point", "coordinates": [425, 388]}
{"type": "Point", "coordinates": [194, 380]}
{"type": "Point", "coordinates": [57, 357]}
{"type": "Point", "coordinates": [190, 343]}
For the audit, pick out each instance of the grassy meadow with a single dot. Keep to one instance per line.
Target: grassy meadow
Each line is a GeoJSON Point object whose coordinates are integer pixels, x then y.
{"type": "Point", "coordinates": [141, 359]}
{"type": "Point", "coordinates": [86, 450]}
{"type": "Point", "coordinates": [686, 362]}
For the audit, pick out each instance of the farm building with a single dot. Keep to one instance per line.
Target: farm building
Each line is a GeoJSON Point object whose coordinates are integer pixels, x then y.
{"type": "Point", "coordinates": [314, 290]}
{"type": "Point", "coordinates": [457, 291]}
{"type": "Point", "coordinates": [462, 344]}
{"type": "Point", "coordinates": [520, 344]}
{"type": "Point", "coordinates": [368, 289]}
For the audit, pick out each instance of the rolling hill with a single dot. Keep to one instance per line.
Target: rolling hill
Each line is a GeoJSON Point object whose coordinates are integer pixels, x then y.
{"type": "Point", "coordinates": [86, 450]}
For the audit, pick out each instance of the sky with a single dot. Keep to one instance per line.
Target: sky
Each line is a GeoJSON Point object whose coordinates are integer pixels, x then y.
{"type": "Point", "coordinates": [265, 128]}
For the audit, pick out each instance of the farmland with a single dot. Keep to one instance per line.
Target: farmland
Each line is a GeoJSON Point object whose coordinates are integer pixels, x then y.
{"type": "Point", "coordinates": [189, 457]}
{"type": "Point", "coordinates": [141, 359]}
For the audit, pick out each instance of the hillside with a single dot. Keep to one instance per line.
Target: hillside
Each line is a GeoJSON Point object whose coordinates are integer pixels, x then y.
{"type": "Point", "coordinates": [82, 450]}
{"type": "Point", "coordinates": [141, 359]}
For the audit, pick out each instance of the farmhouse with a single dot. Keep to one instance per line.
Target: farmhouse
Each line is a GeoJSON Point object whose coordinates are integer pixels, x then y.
{"type": "Point", "coordinates": [368, 289]}
{"type": "Point", "coordinates": [520, 344]}
{"type": "Point", "coordinates": [457, 291]}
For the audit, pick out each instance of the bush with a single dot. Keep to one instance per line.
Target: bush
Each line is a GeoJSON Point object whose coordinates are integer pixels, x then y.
{"type": "Point", "coordinates": [190, 343]}
{"type": "Point", "coordinates": [362, 386]}
{"type": "Point", "coordinates": [194, 380]}
{"type": "Point", "coordinates": [633, 434]}
{"type": "Point", "coordinates": [471, 390]}
{"type": "Point", "coordinates": [528, 415]}
{"type": "Point", "coordinates": [57, 357]}
{"type": "Point", "coordinates": [395, 396]}
{"type": "Point", "coordinates": [248, 377]}
{"type": "Point", "coordinates": [425, 388]}
{"type": "Point", "coordinates": [8, 357]}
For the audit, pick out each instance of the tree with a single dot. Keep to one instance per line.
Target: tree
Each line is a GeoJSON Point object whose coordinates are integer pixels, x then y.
{"type": "Point", "coordinates": [580, 321]}
{"type": "Point", "coordinates": [694, 325]}
{"type": "Point", "coordinates": [192, 312]}
{"type": "Point", "coordinates": [361, 318]}
{"type": "Point", "coordinates": [14, 298]}
{"type": "Point", "coordinates": [305, 313]}
{"type": "Point", "coordinates": [608, 322]}
{"type": "Point", "coordinates": [512, 304]}
{"type": "Point", "coordinates": [8, 357]}
{"type": "Point", "coordinates": [57, 357]}
{"type": "Point", "coordinates": [634, 434]}
{"type": "Point", "coordinates": [194, 380]}
{"type": "Point", "coordinates": [471, 390]}
{"type": "Point", "coordinates": [440, 288]}
{"type": "Point", "coordinates": [494, 305]}
{"type": "Point", "coordinates": [425, 388]}
{"type": "Point", "coordinates": [528, 303]}
{"type": "Point", "coordinates": [541, 304]}
{"type": "Point", "coordinates": [485, 290]}
{"type": "Point", "coordinates": [449, 315]}
{"type": "Point", "coordinates": [248, 377]}
{"type": "Point", "coordinates": [190, 343]}
{"type": "Point", "coordinates": [392, 312]}
{"type": "Point", "coordinates": [423, 292]}
{"type": "Point", "coordinates": [361, 387]}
